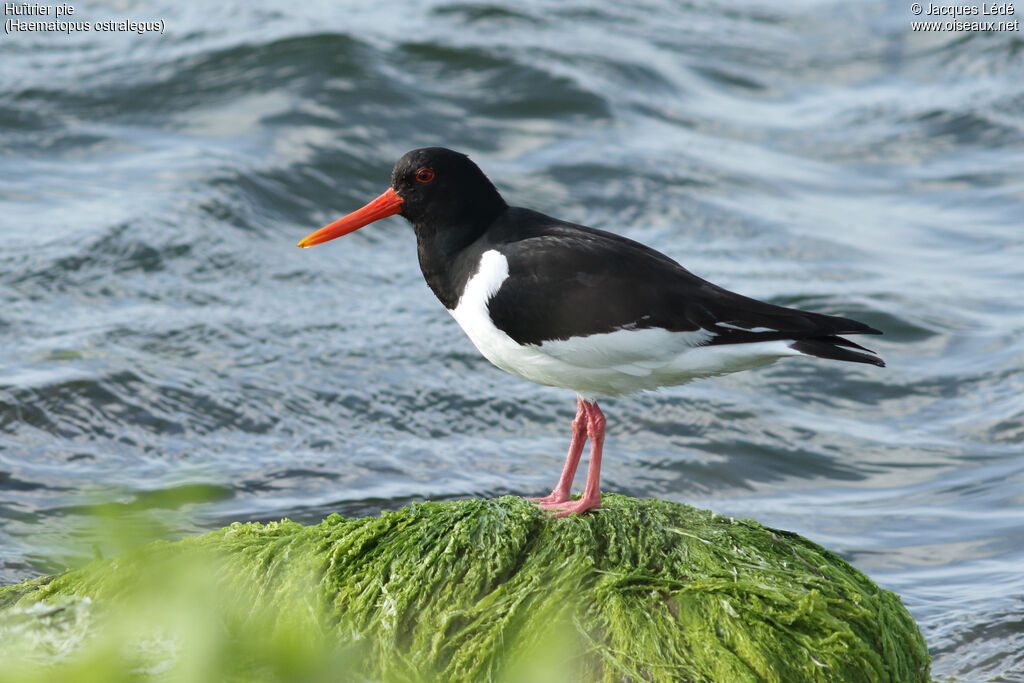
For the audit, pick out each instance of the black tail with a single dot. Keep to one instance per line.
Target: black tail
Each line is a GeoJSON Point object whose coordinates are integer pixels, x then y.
{"type": "Point", "coordinates": [837, 348]}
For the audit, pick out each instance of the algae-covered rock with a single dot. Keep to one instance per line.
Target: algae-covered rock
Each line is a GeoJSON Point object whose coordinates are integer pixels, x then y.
{"type": "Point", "coordinates": [471, 590]}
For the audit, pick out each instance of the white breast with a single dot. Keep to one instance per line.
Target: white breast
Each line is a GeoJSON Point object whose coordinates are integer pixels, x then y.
{"type": "Point", "coordinates": [610, 364]}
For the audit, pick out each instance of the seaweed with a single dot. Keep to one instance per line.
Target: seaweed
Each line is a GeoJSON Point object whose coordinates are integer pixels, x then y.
{"type": "Point", "coordinates": [470, 590]}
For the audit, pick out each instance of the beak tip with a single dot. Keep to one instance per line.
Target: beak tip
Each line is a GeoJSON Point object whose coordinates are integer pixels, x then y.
{"type": "Point", "coordinates": [388, 204]}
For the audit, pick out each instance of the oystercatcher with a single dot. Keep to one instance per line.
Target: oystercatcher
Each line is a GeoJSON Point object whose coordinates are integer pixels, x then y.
{"type": "Point", "coordinates": [571, 306]}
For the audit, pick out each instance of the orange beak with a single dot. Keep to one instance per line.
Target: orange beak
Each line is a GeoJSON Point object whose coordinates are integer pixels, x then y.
{"type": "Point", "coordinates": [388, 204]}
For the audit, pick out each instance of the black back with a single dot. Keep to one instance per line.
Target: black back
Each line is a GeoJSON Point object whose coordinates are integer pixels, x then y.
{"type": "Point", "coordinates": [570, 280]}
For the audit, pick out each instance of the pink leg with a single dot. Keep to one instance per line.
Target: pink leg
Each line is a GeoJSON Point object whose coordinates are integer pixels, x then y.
{"type": "Point", "coordinates": [591, 497]}
{"type": "Point", "coordinates": [560, 493]}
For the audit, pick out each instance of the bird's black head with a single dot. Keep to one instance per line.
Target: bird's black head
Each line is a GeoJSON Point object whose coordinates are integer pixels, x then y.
{"type": "Point", "coordinates": [437, 189]}
{"type": "Point", "coordinates": [441, 189]}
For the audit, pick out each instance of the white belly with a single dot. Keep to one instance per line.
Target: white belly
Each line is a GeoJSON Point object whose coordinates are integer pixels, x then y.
{"type": "Point", "coordinates": [610, 364]}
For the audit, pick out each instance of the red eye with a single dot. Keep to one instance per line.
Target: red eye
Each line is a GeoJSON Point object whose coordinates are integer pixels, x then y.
{"type": "Point", "coordinates": [424, 175]}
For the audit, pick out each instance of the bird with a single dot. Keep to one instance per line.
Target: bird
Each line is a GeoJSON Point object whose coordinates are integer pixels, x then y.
{"type": "Point", "coordinates": [566, 305]}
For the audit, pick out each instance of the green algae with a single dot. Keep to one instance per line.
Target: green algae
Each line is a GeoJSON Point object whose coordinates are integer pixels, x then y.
{"type": "Point", "coordinates": [475, 590]}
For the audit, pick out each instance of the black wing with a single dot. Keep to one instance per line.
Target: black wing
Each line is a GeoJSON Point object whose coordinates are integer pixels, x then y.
{"type": "Point", "coordinates": [568, 280]}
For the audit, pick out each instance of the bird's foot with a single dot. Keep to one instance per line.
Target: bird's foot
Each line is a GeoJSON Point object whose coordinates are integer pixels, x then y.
{"type": "Point", "coordinates": [572, 507]}
{"type": "Point", "coordinates": [554, 497]}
